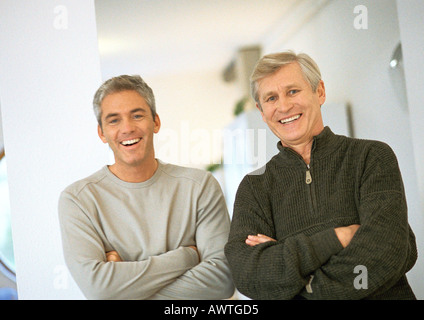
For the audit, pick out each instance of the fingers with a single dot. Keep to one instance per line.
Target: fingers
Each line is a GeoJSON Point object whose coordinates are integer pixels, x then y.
{"type": "Point", "coordinates": [345, 234]}
{"type": "Point", "coordinates": [354, 227]}
{"type": "Point", "coordinates": [258, 239]}
{"type": "Point", "coordinates": [194, 248]}
{"type": "Point", "coordinates": [113, 256]}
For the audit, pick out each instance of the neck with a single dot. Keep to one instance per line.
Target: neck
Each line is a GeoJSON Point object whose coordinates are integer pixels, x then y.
{"type": "Point", "coordinates": [304, 150]}
{"type": "Point", "coordinates": [136, 173]}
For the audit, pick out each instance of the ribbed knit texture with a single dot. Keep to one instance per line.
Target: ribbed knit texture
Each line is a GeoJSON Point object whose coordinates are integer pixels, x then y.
{"type": "Point", "coordinates": [353, 182]}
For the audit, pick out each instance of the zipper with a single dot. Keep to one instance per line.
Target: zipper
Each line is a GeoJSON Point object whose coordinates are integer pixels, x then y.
{"type": "Point", "coordinates": [308, 287]}
{"type": "Point", "coordinates": [308, 180]}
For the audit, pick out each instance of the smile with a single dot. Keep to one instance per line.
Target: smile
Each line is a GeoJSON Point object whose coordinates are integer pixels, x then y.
{"type": "Point", "coordinates": [130, 142]}
{"type": "Point", "coordinates": [291, 119]}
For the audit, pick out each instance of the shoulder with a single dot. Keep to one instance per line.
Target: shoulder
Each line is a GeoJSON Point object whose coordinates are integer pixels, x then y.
{"type": "Point", "coordinates": [263, 172]}
{"type": "Point", "coordinates": [369, 157]}
{"type": "Point", "coordinates": [259, 179]}
{"type": "Point", "coordinates": [187, 174]}
{"type": "Point", "coordinates": [188, 180]}
{"type": "Point", "coordinates": [370, 149]}
{"type": "Point", "coordinates": [79, 186]}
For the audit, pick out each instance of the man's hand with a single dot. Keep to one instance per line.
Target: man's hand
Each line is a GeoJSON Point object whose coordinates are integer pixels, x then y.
{"type": "Point", "coordinates": [113, 256]}
{"type": "Point", "coordinates": [345, 234]}
{"type": "Point", "coordinates": [258, 239]}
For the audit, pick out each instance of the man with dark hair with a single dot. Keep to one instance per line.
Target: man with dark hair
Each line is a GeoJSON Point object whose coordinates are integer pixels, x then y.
{"type": "Point", "coordinates": [141, 228]}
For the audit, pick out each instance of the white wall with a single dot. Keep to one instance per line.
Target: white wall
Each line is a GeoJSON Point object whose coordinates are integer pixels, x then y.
{"type": "Point", "coordinates": [411, 23]}
{"type": "Point", "coordinates": [50, 69]}
{"type": "Point", "coordinates": [194, 107]}
{"type": "Point", "coordinates": [355, 67]}
{"type": "Point", "coordinates": [1, 131]}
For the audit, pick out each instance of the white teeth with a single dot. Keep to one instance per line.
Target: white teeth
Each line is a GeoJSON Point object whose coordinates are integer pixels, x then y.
{"type": "Point", "coordinates": [128, 142]}
{"type": "Point", "coordinates": [290, 119]}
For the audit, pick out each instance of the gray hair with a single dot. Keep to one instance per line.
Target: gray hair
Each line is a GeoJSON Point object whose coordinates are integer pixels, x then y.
{"type": "Point", "coordinates": [122, 83]}
{"type": "Point", "coordinates": [271, 63]}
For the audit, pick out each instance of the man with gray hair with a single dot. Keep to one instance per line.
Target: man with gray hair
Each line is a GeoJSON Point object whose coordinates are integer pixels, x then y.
{"type": "Point", "coordinates": [141, 228]}
{"type": "Point", "coordinates": [324, 209]}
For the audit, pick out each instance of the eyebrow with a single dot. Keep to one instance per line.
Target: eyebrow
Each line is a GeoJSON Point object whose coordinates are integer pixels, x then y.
{"type": "Point", "coordinates": [111, 115]}
{"type": "Point", "coordinates": [138, 110]}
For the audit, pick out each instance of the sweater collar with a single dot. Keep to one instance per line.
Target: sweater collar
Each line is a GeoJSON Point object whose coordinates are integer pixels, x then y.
{"type": "Point", "coordinates": [323, 144]}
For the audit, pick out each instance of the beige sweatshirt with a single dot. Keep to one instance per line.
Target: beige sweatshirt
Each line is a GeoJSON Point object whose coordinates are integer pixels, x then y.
{"type": "Point", "coordinates": [150, 224]}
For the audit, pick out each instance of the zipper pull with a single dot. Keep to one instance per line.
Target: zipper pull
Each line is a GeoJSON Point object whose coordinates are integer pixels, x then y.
{"type": "Point", "coordinates": [309, 285]}
{"type": "Point", "coordinates": [308, 177]}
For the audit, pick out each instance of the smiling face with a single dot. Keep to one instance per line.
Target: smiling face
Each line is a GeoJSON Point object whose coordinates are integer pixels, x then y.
{"type": "Point", "coordinates": [128, 127]}
{"type": "Point", "coordinates": [290, 107]}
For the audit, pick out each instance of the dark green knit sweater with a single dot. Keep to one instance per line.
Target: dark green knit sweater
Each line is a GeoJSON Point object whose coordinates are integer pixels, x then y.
{"type": "Point", "coordinates": [352, 181]}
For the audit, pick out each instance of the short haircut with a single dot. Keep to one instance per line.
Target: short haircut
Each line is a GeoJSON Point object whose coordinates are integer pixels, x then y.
{"type": "Point", "coordinates": [271, 63]}
{"type": "Point", "coordinates": [123, 83]}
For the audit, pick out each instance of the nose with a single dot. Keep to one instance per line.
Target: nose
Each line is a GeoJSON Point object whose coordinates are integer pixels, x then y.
{"type": "Point", "coordinates": [283, 104]}
{"type": "Point", "coordinates": [127, 125]}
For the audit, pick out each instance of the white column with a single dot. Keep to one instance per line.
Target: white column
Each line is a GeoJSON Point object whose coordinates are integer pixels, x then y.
{"type": "Point", "coordinates": [411, 25]}
{"type": "Point", "coordinates": [50, 69]}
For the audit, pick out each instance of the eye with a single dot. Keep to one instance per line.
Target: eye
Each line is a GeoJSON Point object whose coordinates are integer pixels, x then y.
{"type": "Point", "coordinates": [113, 121]}
{"type": "Point", "coordinates": [293, 92]}
{"type": "Point", "coordinates": [270, 99]}
{"type": "Point", "coordinates": [138, 116]}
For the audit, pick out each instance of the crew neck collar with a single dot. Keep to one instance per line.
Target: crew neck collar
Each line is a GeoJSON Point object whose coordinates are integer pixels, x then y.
{"type": "Point", "coordinates": [133, 185]}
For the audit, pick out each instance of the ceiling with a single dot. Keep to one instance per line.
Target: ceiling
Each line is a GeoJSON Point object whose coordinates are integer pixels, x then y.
{"type": "Point", "coordinates": [154, 37]}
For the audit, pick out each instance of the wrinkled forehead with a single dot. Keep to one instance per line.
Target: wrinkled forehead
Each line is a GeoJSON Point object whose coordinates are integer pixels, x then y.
{"type": "Point", "coordinates": [285, 78]}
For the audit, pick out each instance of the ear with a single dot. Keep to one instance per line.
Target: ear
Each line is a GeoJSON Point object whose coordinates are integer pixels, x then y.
{"type": "Point", "coordinates": [157, 124]}
{"type": "Point", "coordinates": [100, 133]}
{"type": "Point", "coordinates": [321, 92]}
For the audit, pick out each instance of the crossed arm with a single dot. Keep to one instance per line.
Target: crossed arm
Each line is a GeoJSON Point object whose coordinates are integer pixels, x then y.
{"type": "Point", "coordinates": [264, 268]}
{"type": "Point", "coordinates": [176, 274]}
{"type": "Point", "coordinates": [344, 234]}
{"type": "Point", "coordinates": [199, 271]}
{"type": "Point", "coordinates": [113, 256]}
